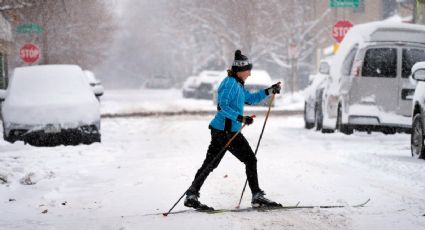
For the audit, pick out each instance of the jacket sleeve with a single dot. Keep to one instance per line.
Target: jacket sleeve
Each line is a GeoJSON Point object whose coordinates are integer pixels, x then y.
{"type": "Point", "coordinates": [254, 98]}
{"type": "Point", "coordinates": [226, 94]}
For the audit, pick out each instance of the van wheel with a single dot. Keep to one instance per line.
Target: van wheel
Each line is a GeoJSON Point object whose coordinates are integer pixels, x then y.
{"type": "Point", "coordinates": [417, 138]}
{"type": "Point", "coordinates": [307, 124]}
{"type": "Point", "coordinates": [346, 129]}
{"type": "Point", "coordinates": [318, 117]}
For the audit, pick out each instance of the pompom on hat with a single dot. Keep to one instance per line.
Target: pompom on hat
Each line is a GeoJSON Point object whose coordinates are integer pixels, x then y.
{"type": "Point", "coordinates": [241, 62]}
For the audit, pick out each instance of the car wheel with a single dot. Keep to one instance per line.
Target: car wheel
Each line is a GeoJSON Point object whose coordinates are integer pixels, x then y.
{"type": "Point", "coordinates": [307, 124]}
{"type": "Point", "coordinates": [318, 117]}
{"type": "Point", "coordinates": [417, 138]}
{"type": "Point", "coordinates": [7, 138]}
{"type": "Point", "coordinates": [346, 129]}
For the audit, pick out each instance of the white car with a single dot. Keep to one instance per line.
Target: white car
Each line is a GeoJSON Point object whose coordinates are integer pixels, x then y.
{"type": "Point", "coordinates": [201, 86]}
{"type": "Point", "coordinates": [50, 105]}
{"type": "Point", "coordinates": [418, 112]}
{"type": "Point", "coordinates": [313, 116]}
{"type": "Point", "coordinates": [190, 87]}
{"type": "Point", "coordinates": [95, 83]}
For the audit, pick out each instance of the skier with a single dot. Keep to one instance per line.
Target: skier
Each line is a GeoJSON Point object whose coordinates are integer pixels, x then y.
{"type": "Point", "coordinates": [231, 99]}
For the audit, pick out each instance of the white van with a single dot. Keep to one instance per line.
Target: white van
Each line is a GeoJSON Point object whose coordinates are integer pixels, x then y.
{"type": "Point", "coordinates": [370, 88]}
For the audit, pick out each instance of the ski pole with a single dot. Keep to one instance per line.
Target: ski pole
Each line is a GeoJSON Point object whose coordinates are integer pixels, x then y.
{"type": "Point", "coordinates": [221, 151]}
{"type": "Point", "coordinates": [258, 143]}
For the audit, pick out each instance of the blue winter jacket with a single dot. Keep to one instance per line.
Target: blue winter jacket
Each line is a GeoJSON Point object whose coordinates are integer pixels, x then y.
{"type": "Point", "coordinates": [232, 96]}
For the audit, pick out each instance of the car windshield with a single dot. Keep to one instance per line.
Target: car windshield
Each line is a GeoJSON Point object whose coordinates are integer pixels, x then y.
{"type": "Point", "coordinates": [52, 83]}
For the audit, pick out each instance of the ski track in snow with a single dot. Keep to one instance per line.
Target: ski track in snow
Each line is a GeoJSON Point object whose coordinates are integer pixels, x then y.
{"type": "Point", "coordinates": [144, 165]}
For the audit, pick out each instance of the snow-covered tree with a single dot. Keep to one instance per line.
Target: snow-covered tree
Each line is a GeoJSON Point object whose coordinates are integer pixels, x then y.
{"type": "Point", "coordinates": [74, 32]}
{"type": "Point", "coordinates": [180, 38]}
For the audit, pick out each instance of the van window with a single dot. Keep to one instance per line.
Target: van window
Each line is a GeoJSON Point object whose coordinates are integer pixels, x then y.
{"type": "Point", "coordinates": [380, 62]}
{"type": "Point", "coordinates": [410, 57]}
{"type": "Point", "coordinates": [348, 62]}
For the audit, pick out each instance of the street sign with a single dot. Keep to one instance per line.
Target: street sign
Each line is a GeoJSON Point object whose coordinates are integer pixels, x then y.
{"type": "Point", "coordinates": [29, 28]}
{"type": "Point", "coordinates": [343, 3]}
{"type": "Point", "coordinates": [29, 53]}
{"type": "Point", "coordinates": [340, 29]}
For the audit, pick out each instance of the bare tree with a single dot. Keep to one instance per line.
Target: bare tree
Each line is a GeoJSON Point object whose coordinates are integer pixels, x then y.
{"type": "Point", "coordinates": [74, 32]}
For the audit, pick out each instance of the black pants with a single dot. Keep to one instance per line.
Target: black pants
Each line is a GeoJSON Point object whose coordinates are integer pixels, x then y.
{"type": "Point", "coordinates": [239, 148]}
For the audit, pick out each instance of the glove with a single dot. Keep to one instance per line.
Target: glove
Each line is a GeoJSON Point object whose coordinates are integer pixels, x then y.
{"type": "Point", "coordinates": [245, 119]}
{"type": "Point", "coordinates": [274, 89]}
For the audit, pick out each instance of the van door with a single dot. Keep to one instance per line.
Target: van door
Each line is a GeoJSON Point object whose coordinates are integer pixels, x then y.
{"type": "Point", "coordinates": [378, 83]}
{"type": "Point", "coordinates": [409, 56]}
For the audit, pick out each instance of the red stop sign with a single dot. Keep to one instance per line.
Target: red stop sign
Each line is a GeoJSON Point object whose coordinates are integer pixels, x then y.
{"type": "Point", "coordinates": [29, 53]}
{"type": "Point", "coordinates": [340, 29]}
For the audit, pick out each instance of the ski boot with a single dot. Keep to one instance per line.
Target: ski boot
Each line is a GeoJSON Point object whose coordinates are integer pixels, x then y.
{"type": "Point", "coordinates": [259, 201]}
{"type": "Point", "coordinates": [192, 201]}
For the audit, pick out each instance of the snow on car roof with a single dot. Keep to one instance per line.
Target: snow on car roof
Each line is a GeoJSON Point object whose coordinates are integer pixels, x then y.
{"type": "Point", "coordinates": [48, 80]}
{"type": "Point", "coordinates": [259, 77]}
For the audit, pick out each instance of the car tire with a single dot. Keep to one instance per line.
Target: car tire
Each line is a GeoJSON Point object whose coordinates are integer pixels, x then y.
{"type": "Point", "coordinates": [417, 138]}
{"type": "Point", "coordinates": [307, 124]}
{"type": "Point", "coordinates": [345, 129]}
{"type": "Point", "coordinates": [8, 139]}
{"type": "Point", "coordinates": [318, 117]}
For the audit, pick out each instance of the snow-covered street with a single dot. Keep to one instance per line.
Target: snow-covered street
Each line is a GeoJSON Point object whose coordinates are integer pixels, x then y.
{"type": "Point", "coordinates": [143, 165]}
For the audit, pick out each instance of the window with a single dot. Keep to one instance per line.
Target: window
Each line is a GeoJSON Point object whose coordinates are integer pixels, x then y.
{"type": "Point", "coordinates": [410, 57]}
{"type": "Point", "coordinates": [348, 62]}
{"type": "Point", "coordinates": [380, 62]}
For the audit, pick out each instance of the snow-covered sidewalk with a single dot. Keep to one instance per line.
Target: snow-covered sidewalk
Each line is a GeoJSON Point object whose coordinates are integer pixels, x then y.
{"type": "Point", "coordinates": [143, 165]}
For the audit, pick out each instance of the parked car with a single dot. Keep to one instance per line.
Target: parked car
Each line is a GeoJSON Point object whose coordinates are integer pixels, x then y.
{"type": "Point", "coordinates": [95, 83]}
{"type": "Point", "coordinates": [201, 86]}
{"type": "Point", "coordinates": [50, 105]}
{"type": "Point", "coordinates": [418, 112]}
{"type": "Point", "coordinates": [190, 87]}
{"type": "Point", "coordinates": [259, 79]}
{"type": "Point", "coordinates": [206, 81]}
{"type": "Point", "coordinates": [313, 96]}
{"type": "Point", "coordinates": [370, 88]}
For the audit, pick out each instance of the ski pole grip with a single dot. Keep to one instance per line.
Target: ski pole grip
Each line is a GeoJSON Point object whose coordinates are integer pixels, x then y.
{"type": "Point", "coordinates": [253, 116]}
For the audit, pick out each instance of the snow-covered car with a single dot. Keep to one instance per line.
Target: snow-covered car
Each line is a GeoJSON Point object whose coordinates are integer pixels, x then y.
{"type": "Point", "coordinates": [370, 88]}
{"type": "Point", "coordinates": [95, 83]}
{"type": "Point", "coordinates": [206, 81]}
{"type": "Point", "coordinates": [50, 105]}
{"type": "Point", "coordinates": [201, 86]}
{"type": "Point", "coordinates": [313, 96]}
{"type": "Point", "coordinates": [190, 87]}
{"type": "Point", "coordinates": [418, 112]}
{"type": "Point", "coordinates": [259, 79]}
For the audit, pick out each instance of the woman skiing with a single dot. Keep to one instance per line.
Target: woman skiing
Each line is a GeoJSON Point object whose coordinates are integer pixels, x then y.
{"type": "Point", "coordinates": [232, 96]}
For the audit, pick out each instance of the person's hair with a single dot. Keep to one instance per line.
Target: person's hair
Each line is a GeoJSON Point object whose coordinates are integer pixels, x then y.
{"type": "Point", "coordinates": [231, 72]}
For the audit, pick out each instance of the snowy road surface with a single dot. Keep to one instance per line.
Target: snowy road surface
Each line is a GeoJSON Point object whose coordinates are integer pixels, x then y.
{"type": "Point", "coordinates": [143, 166]}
